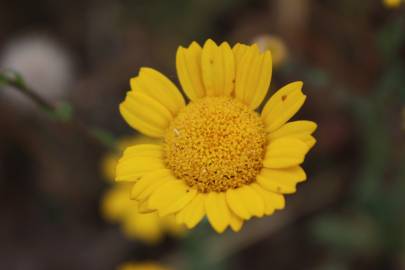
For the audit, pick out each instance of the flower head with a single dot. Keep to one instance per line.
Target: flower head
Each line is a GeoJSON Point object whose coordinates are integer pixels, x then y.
{"type": "Point", "coordinates": [117, 206]}
{"type": "Point", "coordinates": [217, 156]}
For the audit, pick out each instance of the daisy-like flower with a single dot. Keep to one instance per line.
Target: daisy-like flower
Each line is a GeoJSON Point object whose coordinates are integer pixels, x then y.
{"type": "Point", "coordinates": [136, 221]}
{"type": "Point", "coordinates": [218, 157]}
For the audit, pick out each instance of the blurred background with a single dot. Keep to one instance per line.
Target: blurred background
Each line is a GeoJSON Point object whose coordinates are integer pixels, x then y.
{"type": "Point", "coordinates": [79, 56]}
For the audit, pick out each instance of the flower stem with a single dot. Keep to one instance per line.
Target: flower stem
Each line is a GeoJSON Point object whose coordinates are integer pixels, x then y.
{"type": "Point", "coordinates": [62, 113]}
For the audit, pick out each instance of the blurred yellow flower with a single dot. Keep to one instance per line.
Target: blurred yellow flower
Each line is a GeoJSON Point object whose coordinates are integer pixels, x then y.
{"type": "Point", "coordinates": [392, 3]}
{"type": "Point", "coordinates": [142, 266]}
{"type": "Point", "coordinates": [219, 158]}
{"type": "Point", "coordinates": [117, 206]}
{"type": "Point", "coordinates": [276, 46]}
{"type": "Point", "coordinates": [148, 227]}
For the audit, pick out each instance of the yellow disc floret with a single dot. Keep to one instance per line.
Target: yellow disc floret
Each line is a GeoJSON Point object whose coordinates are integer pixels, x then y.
{"type": "Point", "coordinates": [215, 143]}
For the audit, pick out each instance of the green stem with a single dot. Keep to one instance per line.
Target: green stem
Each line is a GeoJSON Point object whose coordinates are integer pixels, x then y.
{"type": "Point", "coordinates": [60, 113]}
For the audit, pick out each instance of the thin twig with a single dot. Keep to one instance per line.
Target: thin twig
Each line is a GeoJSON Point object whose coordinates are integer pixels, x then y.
{"type": "Point", "coordinates": [96, 135]}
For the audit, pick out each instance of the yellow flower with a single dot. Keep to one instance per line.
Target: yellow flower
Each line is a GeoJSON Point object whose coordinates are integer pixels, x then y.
{"type": "Point", "coordinates": [142, 266]}
{"type": "Point", "coordinates": [217, 156]}
{"type": "Point", "coordinates": [118, 207]}
{"type": "Point", "coordinates": [392, 3]}
{"type": "Point", "coordinates": [275, 45]}
{"type": "Point", "coordinates": [145, 226]}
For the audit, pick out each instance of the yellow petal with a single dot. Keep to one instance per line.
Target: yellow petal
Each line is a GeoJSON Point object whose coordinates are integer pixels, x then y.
{"type": "Point", "coordinates": [143, 150]}
{"type": "Point", "coordinates": [139, 160]}
{"type": "Point", "coordinates": [188, 65]}
{"type": "Point", "coordinates": [252, 201]}
{"type": "Point", "coordinates": [158, 87]}
{"type": "Point", "coordinates": [217, 211]}
{"type": "Point", "coordinates": [144, 208]}
{"type": "Point", "coordinates": [234, 198]}
{"type": "Point", "coordinates": [301, 130]}
{"type": "Point", "coordinates": [145, 114]}
{"type": "Point", "coordinates": [272, 201]}
{"type": "Point", "coordinates": [218, 69]}
{"type": "Point", "coordinates": [180, 202]}
{"type": "Point", "coordinates": [181, 214]}
{"type": "Point", "coordinates": [149, 190]}
{"type": "Point", "coordinates": [170, 197]}
{"type": "Point", "coordinates": [239, 50]}
{"type": "Point", "coordinates": [116, 202]}
{"type": "Point", "coordinates": [244, 202]}
{"type": "Point", "coordinates": [142, 188]}
{"type": "Point", "coordinates": [285, 152]}
{"type": "Point", "coordinates": [253, 75]}
{"type": "Point", "coordinates": [282, 106]}
{"type": "Point", "coordinates": [192, 213]}
{"type": "Point", "coordinates": [281, 180]}
{"type": "Point", "coordinates": [132, 169]}
{"type": "Point", "coordinates": [310, 141]}
{"type": "Point", "coordinates": [235, 222]}
{"type": "Point", "coordinates": [138, 123]}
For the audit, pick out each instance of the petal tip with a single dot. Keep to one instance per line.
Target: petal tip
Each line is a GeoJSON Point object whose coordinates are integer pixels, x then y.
{"type": "Point", "coordinates": [210, 42]}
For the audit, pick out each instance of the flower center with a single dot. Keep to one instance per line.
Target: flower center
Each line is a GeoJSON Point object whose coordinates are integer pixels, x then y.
{"type": "Point", "coordinates": [214, 144]}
